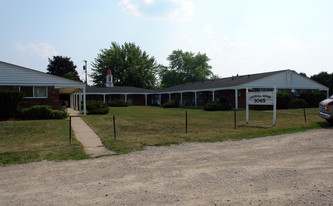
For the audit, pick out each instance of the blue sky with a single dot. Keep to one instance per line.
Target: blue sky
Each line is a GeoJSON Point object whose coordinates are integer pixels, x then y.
{"type": "Point", "coordinates": [239, 36]}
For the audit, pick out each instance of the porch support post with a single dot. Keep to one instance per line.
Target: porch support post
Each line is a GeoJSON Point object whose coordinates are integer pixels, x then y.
{"type": "Point", "coordinates": [161, 99]}
{"type": "Point", "coordinates": [80, 99]}
{"type": "Point", "coordinates": [104, 98]}
{"type": "Point", "coordinates": [236, 98]}
{"type": "Point", "coordinates": [181, 99]}
{"type": "Point", "coordinates": [169, 97]}
{"type": "Point", "coordinates": [126, 98]}
{"type": "Point", "coordinates": [195, 100]}
{"type": "Point", "coordinates": [84, 102]}
{"type": "Point", "coordinates": [76, 102]}
{"type": "Point", "coordinates": [213, 96]}
{"type": "Point", "coordinates": [146, 100]}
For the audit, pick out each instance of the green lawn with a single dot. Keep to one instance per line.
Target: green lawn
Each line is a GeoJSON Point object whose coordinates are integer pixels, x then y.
{"type": "Point", "coordinates": [28, 141]}
{"type": "Point", "coordinates": [141, 126]}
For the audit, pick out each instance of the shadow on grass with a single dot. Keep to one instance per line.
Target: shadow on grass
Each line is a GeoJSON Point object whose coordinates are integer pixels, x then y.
{"type": "Point", "coordinates": [256, 127]}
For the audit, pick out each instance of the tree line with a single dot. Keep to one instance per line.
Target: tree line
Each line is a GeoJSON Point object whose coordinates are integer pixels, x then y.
{"type": "Point", "coordinates": [131, 66]}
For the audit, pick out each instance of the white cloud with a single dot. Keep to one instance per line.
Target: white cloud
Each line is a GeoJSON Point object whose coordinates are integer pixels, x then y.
{"type": "Point", "coordinates": [42, 49]}
{"type": "Point", "coordinates": [175, 10]}
{"type": "Point", "coordinates": [130, 8]}
{"type": "Point", "coordinates": [208, 30]}
{"type": "Point", "coordinates": [185, 10]}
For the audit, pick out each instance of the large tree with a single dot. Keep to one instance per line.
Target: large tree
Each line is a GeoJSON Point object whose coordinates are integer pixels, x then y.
{"type": "Point", "coordinates": [185, 67]}
{"type": "Point", "coordinates": [129, 66]}
{"type": "Point", "coordinates": [63, 67]}
{"type": "Point", "coordinates": [324, 78]}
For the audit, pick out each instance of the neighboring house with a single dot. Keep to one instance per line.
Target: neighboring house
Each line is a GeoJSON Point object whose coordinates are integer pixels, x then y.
{"type": "Point", "coordinates": [41, 88]}
{"type": "Point", "coordinates": [197, 94]}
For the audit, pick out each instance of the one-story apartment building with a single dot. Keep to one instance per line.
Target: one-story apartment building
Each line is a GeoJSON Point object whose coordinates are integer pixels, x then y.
{"type": "Point", "coordinates": [196, 94]}
{"type": "Point", "coordinates": [41, 88]}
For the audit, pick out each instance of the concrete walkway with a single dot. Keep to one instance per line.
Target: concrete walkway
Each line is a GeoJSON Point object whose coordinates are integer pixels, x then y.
{"type": "Point", "coordinates": [92, 144]}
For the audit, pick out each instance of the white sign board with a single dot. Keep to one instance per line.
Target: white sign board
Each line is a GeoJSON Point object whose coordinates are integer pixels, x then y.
{"type": "Point", "coordinates": [261, 98]}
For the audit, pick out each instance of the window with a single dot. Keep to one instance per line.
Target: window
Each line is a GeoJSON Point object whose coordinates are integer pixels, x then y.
{"type": "Point", "coordinates": [34, 92]}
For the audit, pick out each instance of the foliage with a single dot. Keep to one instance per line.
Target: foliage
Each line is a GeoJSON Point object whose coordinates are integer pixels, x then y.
{"type": "Point", "coordinates": [97, 107]}
{"type": "Point", "coordinates": [36, 140]}
{"type": "Point", "coordinates": [39, 112]}
{"type": "Point", "coordinates": [141, 126]}
{"type": "Point", "coordinates": [63, 67]}
{"type": "Point", "coordinates": [129, 66]}
{"type": "Point", "coordinates": [324, 78]}
{"type": "Point", "coordinates": [298, 103]}
{"type": "Point", "coordinates": [185, 67]}
{"type": "Point", "coordinates": [283, 100]}
{"type": "Point", "coordinates": [313, 98]}
{"type": "Point", "coordinates": [171, 104]}
{"type": "Point", "coordinates": [10, 103]}
{"type": "Point", "coordinates": [216, 106]}
{"type": "Point", "coordinates": [118, 103]}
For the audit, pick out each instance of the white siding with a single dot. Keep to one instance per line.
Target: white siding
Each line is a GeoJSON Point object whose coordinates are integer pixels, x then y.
{"type": "Point", "coordinates": [285, 80]}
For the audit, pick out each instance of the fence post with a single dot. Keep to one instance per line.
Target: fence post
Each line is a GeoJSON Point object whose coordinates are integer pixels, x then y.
{"type": "Point", "coordinates": [114, 128]}
{"type": "Point", "coordinates": [186, 122]}
{"type": "Point", "coordinates": [235, 118]}
{"type": "Point", "coordinates": [304, 114]}
{"type": "Point", "coordinates": [70, 129]}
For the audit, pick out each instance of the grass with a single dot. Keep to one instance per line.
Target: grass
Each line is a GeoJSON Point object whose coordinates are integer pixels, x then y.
{"type": "Point", "coordinates": [29, 141]}
{"type": "Point", "coordinates": [141, 126]}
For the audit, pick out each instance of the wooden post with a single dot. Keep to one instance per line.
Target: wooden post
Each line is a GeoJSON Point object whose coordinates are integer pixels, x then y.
{"type": "Point", "coordinates": [186, 122]}
{"type": "Point", "coordinates": [235, 118]}
{"type": "Point", "coordinates": [114, 128]}
{"type": "Point", "coordinates": [304, 114]}
{"type": "Point", "coordinates": [70, 129]}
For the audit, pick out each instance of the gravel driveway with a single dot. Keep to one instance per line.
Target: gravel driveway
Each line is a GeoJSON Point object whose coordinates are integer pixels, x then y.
{"type": "Point", "coordinates": [293, 169]}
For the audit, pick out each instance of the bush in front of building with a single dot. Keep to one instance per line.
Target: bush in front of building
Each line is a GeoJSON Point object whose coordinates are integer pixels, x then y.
{"type": "Point", "coordinates": [298, 103]}
{"type": "Point", "coordinates": [42, 112]}
{"type": "Point", "coordinates": [118, 103]}
{"type": "Point", "coordinates": [171, 104]}
{"type": "Point", "coordinates": [97, 107]}
{"type": "Point", "coordinates": [313, 98]}
{"type": "Point", "coordinates": [283, 100]}
{"type": "Point", "coordinates": [10, 103]}
{"type": "Point", "coordinates": [217, 106]}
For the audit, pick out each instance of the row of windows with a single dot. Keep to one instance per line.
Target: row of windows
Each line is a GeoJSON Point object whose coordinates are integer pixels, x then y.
{"type": "Point", "coordinates": [34, 92]}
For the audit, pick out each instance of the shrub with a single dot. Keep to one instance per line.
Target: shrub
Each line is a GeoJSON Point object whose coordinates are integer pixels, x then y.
{"type": "Point", "coordinates": [283, 100]}
{"type": "Point", "coordinates": [298, 103]}
{"type": "Point", "coordinates": [118, 103]}
{"type": "Point", "coordinates": [42, 112]}
{"type": "Point", "coordinates": [10, 103]}
{"type": "Point", "coordinates": [97, 107]}
{"type": "Point", "coordinates": [58, 114]}
{"type": "Point", "coordinates": [216, 106]}
{"type": "Point", "coordinates": [170, 104]}
{"type": "Point", "coordinates": [313, 98]}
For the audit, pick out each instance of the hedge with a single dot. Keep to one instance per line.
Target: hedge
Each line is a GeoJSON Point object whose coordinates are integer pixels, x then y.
{"type": "Point", "coordinates": [216, 106]}
{"type": "Point", "coordinates": [97, 107]}
{"type": "Point", "coordinates": [171, 104]}
{"type": "Point", "coordinates": [10, 103]}
{"type": "Point", "coordinates": [118, 103]}
{"type": "Point", "coordinates": [42, 112]}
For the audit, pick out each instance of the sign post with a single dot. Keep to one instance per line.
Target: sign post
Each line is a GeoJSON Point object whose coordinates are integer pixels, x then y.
{"type": "Point", "coordinates": [261, 98]}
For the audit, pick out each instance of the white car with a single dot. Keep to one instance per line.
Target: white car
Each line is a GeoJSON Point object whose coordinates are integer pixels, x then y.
{"type": "Point", "coordinates": [326, 109]}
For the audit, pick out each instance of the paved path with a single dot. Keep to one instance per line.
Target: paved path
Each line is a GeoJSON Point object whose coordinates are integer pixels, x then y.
{"type": "Point", "coordinates": [92, 144]}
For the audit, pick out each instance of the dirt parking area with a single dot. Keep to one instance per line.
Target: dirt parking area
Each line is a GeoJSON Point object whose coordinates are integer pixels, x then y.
{"type": "Point", "coordinates": [293, 169]}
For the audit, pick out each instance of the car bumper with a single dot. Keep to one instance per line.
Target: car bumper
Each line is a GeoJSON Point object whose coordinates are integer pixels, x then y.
{"type": "Point", "coordinates": [325, 115]}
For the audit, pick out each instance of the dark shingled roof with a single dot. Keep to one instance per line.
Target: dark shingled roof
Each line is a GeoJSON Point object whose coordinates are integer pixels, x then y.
{"type": "Point", "coordinates": [219, 83]}
{"type": "Point", "coordinates": [117, 89]}
{"type": "Point", "coordinates": [201, 85]}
